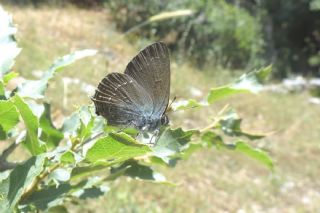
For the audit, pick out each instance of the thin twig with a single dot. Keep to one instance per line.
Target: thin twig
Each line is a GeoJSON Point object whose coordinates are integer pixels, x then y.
{"type": "Point", "coordinates": [38, 181]}
{"type": "Point", "coordinates": [92, 138]}
{"type": "Point", "coordinates": [216, 120]}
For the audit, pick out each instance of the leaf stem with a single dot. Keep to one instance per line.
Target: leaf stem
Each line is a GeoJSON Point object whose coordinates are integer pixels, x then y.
{"type": "Point", "coordinates": [38, 180]}
{"type": "Point", "coordinates": [216, 119]}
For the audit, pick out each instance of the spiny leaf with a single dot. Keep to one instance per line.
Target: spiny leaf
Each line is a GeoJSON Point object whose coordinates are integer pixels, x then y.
{"type": "Point", "coordinates": [116, 147]}
{"type": "Point", "coordinates": [250, 82]}
{"type": "Point", "coordinates": [32, 124]}
{"type": "Point", "coordinates": [12, 188]}
{"type": "Point", "coordinates": [36, 88]}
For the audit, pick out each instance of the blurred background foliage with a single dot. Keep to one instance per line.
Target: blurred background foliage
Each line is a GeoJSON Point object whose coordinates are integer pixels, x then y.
{"type": "Point", "coordinates": [234, 34]}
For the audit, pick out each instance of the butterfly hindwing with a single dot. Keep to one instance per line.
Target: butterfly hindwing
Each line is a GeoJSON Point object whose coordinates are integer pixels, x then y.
{"type": "Point", "coordinates": [151, 69]}
{"type": "Point", "coordinates": [120, 99]}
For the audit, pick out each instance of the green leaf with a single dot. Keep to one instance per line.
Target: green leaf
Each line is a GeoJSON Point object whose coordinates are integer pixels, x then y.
{"type": "Point", "coordinates": [32, 124]}
{"type": "Point", "coordinates": [36, 88]}
{"type": "Point", "coordinates": [71, 124]}
{"type": "Point", "coordinates": [60, 174]}
{"type": "Point", "coordinates": [171, 142]}
{"type": "Point", "coordinates": [12, 188]}
{"type": "Point", "coordinates": [117, 172]}
{"type": "Point", "coordinates": [187, 104]}
{"type": "Point", "coordinates": [8, 45]}
{"type": "Point", "coordinates": [49, 197]}
{"type": "Point", "coordinates": [68, 157]}
{"type": "Point", "coordinates": [86, 123]}
{"type": "Point", "coordinates": [2, 91]}
{"type": "Point", "coordinates": [141, 172]}
{"type": "Point", "coordinates": [212, 139]}
{"type": "Point", "coordinates": [230, 124]}
{"type": "Point", "coordinates": [93, 192]}
{"type": "Point", "coordinates": [250, 82]}
{"type": "Point", "coordinates": [91, 188]}
{"type": "Point", "coordinates": [192, 147]}
{"type": "Point", "coordinates": [58, 209]}
{"type": "Point", "coordinates": [54, 196]}
{"type": "Point", "coordinates": [50, 134]}
{"type": "Point", "coordinates": [114, 148]}
{"type": "Point", "coordinates": [9, 76]}
{"type": "Point", "coordinates": [9, 117]}
{"type": "Point", "coordinates": [254, 153]}
{"type": "Point", "coordinates": [219, 93]}
{"type": "Point", "coordinates": [83, 124]}
{"type": "Point", "coordinates": [314, 5]}
{"type": "Point", "coordinates": [240, 146]}
{"type": "Point", "coordinates": [80, 172]}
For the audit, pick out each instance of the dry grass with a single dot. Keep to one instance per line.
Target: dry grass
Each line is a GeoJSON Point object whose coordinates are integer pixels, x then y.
{"type": "Point", "coordinates": [210, 181]}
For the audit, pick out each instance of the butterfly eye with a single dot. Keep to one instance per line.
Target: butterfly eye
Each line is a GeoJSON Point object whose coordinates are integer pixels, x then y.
{"type": "Point", "coordinates": [164, 119]}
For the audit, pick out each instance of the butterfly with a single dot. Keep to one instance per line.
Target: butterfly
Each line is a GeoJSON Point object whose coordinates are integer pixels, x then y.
{"type": "Point", "coordinates": [138, 98]}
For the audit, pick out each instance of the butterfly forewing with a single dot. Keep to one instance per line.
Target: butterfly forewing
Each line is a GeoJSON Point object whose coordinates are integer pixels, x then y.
{"type": "Point", "coordinates": [121, 100]}
{"type": "Point", "coordinates": [151, 69]}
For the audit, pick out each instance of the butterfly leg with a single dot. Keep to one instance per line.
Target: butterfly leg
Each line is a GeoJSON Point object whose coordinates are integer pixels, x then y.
{"type": "Point", "coordinates": [124, 127]}
{"type": "Point", "coordinates": [154, 137]}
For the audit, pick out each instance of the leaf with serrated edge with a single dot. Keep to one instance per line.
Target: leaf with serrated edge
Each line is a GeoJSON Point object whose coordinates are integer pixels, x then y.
{"type": "Point", "coordinates": [230, 124]}
{"type": "Point", "coordinates": [50, 134]}
{"type": "Point", "coordinates": [9, 116]}
{"type": "Point", "coordinates": [170, 142]}
{"type": "Point", "coordinates": [12, 188]}
{"type": "Point", "coordinates": [67, 157]}
{"type": "Point", "coordinates": [116, 147]}
{"type": "Point", "coordinates": [254, 153]}
{"type": "Point", "coordinates": [250, 82]}
{"type": "Point", "coordinates": [32, 124]}
{"type": "Point", "coordinates": [133, 169]}
{"type": "Point", "coordinates": [80, 172]}
{"type": "Point", "coordinates": [49, 197]}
